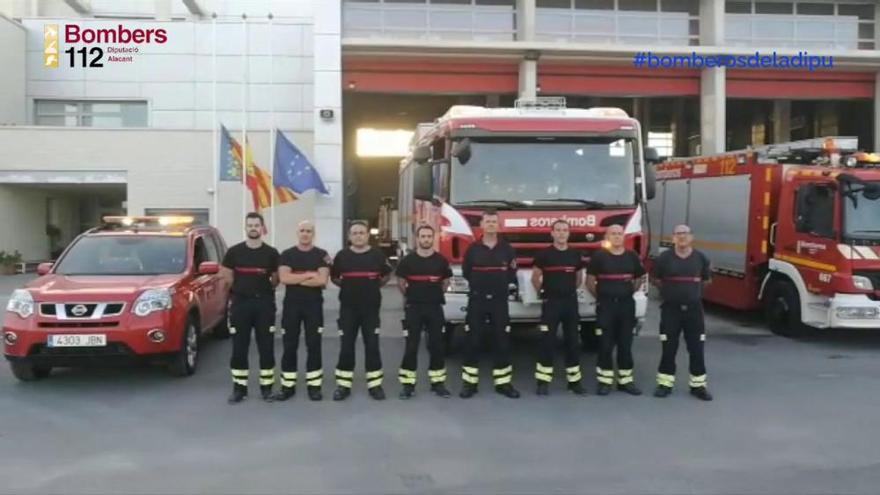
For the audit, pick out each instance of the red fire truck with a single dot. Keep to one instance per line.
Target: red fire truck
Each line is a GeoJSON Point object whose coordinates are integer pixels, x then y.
{"type": "Point", "coordinates": [792, 227]}
{"type": "Point", "coordinates": [534, 163]}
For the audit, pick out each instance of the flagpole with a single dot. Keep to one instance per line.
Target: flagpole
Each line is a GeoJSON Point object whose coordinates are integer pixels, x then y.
{"type": "Point", "coordinates": [244, 117]}
{"type": "Point", "coordinates": [216, 163]}
{"type": "Point", "coordinates": [272, 130]}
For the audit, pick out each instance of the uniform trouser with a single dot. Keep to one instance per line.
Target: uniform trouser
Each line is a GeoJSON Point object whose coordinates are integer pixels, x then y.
{"type": "Point", "coordinates": [487, 317]}
{"type": "Point", "coordinates": [615, 323]}
{"type": "Point", "coordinates": [676, 319]}
{"type": "Point", "coordinates": [255, 314]}
{"type": "Point", "coordinates": [429, 318]}
{"type": "Point", "coordinates": [298, 315]}
{"type": "Point", "coordinates": [553, 313]}
{"type": "Point", "coordinates": [354, 318]}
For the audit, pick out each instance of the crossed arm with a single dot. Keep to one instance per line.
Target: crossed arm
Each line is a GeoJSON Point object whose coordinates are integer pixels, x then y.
{"type": "Point", "coordinates": [316, 278]}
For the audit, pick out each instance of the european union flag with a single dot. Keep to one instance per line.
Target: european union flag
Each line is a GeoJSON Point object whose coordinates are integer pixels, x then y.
{"type": "Point", "coordinates": [293, 170]}
{"type": "Point", "coordinates": [230, 157]}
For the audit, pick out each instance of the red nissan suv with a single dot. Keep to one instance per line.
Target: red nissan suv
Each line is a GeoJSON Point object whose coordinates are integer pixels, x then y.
{"type": "Point", "coordinates": [135, 288]}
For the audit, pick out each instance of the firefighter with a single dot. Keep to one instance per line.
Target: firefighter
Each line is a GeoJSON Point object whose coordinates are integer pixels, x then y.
{"type": "Point", "coordinates": [423, 276]}
{"type": "Point", "coordinates": [556, 275]}
{"type": "Point", "coordinates": [613, 275]}
{"type": "Point", "coordinates": [250, 270]}
{"type": "Point", "coordinates": [304, 269]}
{"type": "Point", "coordinates": [490, 269]}
{"type": "Point", "coordinates": [681, 273]}
{"type": "Point", "coordinates": [360, 271]}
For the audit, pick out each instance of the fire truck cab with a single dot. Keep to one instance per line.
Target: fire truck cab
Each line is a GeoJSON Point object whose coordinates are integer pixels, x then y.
{"type": "Point", "coordinates": [534, 163]}
{"type": "Point", "coordinates": [793, 228]}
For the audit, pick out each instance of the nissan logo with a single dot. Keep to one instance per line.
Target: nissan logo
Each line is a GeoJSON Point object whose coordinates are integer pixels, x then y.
{"type": "Point", "coordinates": [79, 310]}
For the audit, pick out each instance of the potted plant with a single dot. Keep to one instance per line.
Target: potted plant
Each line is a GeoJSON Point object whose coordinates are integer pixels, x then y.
{"type": "Point", "coordinates": [8, 262]}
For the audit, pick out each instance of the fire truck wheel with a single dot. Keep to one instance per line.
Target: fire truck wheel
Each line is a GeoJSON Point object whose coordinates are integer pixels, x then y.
{"type": "Point", "coordinates": [589, 341]}
{"type": "Point", "coordinates": [27, 372]}
{"type": "Point", "coordinates": [186, 359]}
{"type": "Point", "coordinates": [782, 306]}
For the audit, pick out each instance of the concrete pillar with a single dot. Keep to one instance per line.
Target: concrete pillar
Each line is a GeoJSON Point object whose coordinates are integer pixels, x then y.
{"type": "Point", "coordinates": [711, 22]}
{"type": "Point", "coordinates": [713, 108]}
{"type": "Point", "coordinates": [781, 121]}
{"type": "Point", "coordinates": [327, 155]}
{"type": "Point", "coordinates": [528, 79]}
{"type": "Point", "coordinates": [163, 10]}
{"type": "Point", "coordinates": [876, 143]}
{"type": "Point", "coordinates": [679, 129]}
{"type": "Point", "coordinates": [526, 12]}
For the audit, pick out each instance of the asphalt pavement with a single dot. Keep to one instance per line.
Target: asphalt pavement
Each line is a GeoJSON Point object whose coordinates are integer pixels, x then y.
{"type": "Point", "coordinates": [789, 417]}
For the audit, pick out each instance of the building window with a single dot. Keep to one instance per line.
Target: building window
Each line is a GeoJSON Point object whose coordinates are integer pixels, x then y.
{"type": "Point", "coordinates": [662, 142]}
{"type": "Point", "coordinates": [481, 20]}
{"type": "Point", "coordinates": [89, 113]}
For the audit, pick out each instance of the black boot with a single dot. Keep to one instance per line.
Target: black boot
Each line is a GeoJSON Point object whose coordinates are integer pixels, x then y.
{"type": "Point", "coordinates": [239, 394]}
{"type": "Point", "coordinates": [543, 388]}
{"type": "Point", "coordinates": [701, 393]}
{"type": "Point", "coordinates": [285, 393]}
{"type": "Point", "coordinates": [407, 392]}
{"type": "Point", "coordinates": [629, 388]}
{"type": "Point", "coordinates": [266, 393]}
{"type": "Point", "coordinates": [662, 391]}
{"type": "Point", "coordinates": [315, 393]}
{"type": "Point", "coordinates": [577, 389]}
{"type": "Point", "coordinates": [508, 391]}
{"type": "Point", "coordinates": [603, 389]}
{"type": "Point", "coordinates": [440, 390]}
{"type": "Point", "coordinates": [341, 393]}
{"type": "Point", "coordinates": [469, 390]}
{"type": "Point", "coordinates": [377, 393]}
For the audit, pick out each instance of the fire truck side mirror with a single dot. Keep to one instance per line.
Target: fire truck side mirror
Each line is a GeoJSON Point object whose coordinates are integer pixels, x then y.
{"type": "Point", "coordinates": [462, 150]}
{"type": "Point", "coordinates": [650, 181]}
{"type": "Point", "coordinates": [422, 182]}
{"type": "Point", "coordinates": [652, 156]}
{"type": "Point", "coordinates": [421, 154]}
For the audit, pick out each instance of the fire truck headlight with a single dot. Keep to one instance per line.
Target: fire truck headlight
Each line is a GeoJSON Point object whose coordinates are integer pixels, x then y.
{"type": "Point", "coordinates": [857, 313]}
{"type": "Point", "coordinates": [458, 285]}
{"type": "Point", "coordinates": [863, 283]}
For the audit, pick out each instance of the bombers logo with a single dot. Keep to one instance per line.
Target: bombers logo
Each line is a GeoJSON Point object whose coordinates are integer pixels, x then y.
{"type": "Point", "coordinates": [119, 34]}
{"type": "Point", "coordinates": [585, 221]}
{"type": "Point", "coordinates": [90, 55]}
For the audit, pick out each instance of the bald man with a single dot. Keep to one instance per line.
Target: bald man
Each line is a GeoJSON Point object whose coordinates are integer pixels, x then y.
{"type": "Point", "coordinates": [613, 275]}
{"type": "Point", "coordinates": [304, 269]}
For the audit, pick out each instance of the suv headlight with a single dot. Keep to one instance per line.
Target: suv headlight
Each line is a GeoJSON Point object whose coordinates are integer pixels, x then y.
{"type": "Point", "coordinates": [458, 284]}
{"type": "Point", "coordinates": [21, 303]}
{"type": "Point", "coordinates": [152, 300]}
{"type": "Point", "coordinates": [863, 283]}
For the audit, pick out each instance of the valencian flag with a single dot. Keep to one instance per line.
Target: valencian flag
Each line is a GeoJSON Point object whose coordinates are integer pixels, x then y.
{"type": "Point", "coordinates": [293, 170]}
{"type": "Point", "coordinates": [258, 181]}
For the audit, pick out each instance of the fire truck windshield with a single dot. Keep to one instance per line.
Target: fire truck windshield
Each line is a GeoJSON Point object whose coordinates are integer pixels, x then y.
{"type": "Point", "coordinates": [862, 213]}
{"type": "Point", "coordinates": [547, 171]}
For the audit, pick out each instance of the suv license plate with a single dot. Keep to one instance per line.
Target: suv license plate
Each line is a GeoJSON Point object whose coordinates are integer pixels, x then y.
{"type": "Point", "coordinates": [79, 340]}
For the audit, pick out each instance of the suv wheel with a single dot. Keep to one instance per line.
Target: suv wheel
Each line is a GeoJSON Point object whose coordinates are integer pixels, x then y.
{"type": "Point", "coordinates": [185, 361]}
{"type": "Point", "coordinates": [28, 372]}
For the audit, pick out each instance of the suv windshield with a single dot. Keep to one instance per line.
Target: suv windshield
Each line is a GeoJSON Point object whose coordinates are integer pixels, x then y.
{"type": "Point", "coordinates": [124, 255]}
{"type": "Point", "coordinates": [547, 171]}
{"type": "Point", "coordinates": [862, 215]}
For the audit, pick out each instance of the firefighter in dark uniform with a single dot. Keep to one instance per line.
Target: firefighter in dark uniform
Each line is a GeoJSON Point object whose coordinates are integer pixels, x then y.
{"type": "Point", "coordinates": [305, 270]}
{"type": "Point", "coordinates": [490, 269]}
{"type": "Point", "coordinates": [423, 276]}
{"type": "Point", "coordinates": [681, 273]}
{"type": "Point", "coordinates": [250, 268]}
{"type": "Point", "coordinates": [360, 271]}
{"type": "Point", "coordinates": [556, 275]}
{"type": "Point", "coordinates": [613, 275]}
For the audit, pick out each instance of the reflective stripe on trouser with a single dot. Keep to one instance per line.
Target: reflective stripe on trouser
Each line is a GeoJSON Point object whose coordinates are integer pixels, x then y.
{"type": "Point", "coordinates": [605, 377]}
{"type": "Point", "coordinates": [407, 377]}
{"type": "Point", "coordinates": [267, 377]}
{"type": "Point", "coordinates": [573, 374]}
{"type": "Point", "coordinates": [470, 375]}
{"type": "Point", "coordinates": [665, 380]}
{"type": "Point", "coordinates": [502, 376]}
{"type": "Point", "coordinates": [437, 376]}
{"type": "Point", "coordinates": [374, 378]}
{"type": "Point", "coordinates": [240, 377]}
{"type": "Point", "coordinates": [543, 373]}
{"type": "Point", "coordinates": [314, 378]}
{"type": "Point", "coordinates": [343, 378]}
{"type": "Point", "coordinates": [697, 381]}
{"type": "Point", "coordinates": [288, 379]}
{"type": "Point", "coordinates": [625, 376]}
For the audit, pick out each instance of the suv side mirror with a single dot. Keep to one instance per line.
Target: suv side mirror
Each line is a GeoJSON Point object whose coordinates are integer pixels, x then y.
{"type": "Point", "coordinates": [421, 154]}
{"type": "Point", "coordinates": [44, 268]}
{"type": "Point", "coordinates": [209, 268]}
{"type": "Point", "coordinates": [462, 150]}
